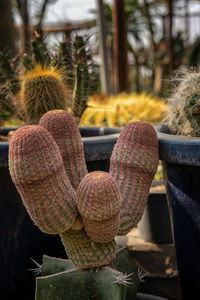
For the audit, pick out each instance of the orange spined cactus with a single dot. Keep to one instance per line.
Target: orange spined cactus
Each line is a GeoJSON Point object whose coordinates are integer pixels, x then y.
{"type": "Point", "coordinates": [42, 90]}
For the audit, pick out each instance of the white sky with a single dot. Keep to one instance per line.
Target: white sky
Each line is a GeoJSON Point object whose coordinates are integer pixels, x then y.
{"type": "Point", "coordinates": [64, 11]}
{"type": "Point", "coordinates": [70, 10]}
{"type": "Point", "coordinates": [79, 10]}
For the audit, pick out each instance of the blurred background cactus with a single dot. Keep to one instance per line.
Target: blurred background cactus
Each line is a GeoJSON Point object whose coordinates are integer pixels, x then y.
{"type": "Point", "coordinates": [184, 115]}
{"type": "Point", "coordinates": [124, 108]}
{"type": "Point", "coordinates": [70, 68]}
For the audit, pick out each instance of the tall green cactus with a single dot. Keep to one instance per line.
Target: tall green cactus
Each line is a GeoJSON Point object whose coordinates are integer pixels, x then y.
{"type": "Point", "coordinates": [82, 78]}
{"type": "Point", "coordinates": [87, 210]}
{"type": "Point", "coordinates": [184, 115]}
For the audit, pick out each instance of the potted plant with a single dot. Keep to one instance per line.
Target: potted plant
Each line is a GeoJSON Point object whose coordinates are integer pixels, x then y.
{"type": "Point", "coordinates": [87, 210]}
{"type": "Point", "coordinates": [98, 145]}
{"type": "Point", "coordinates": [179, 148]}
{"type": "Point", "coordinates": [21, 241]}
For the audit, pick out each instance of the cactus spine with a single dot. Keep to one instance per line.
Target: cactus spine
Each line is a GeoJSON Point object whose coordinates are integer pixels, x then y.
{"type": "Point", "coordinates": [42, 90]}
{"type": "Point", "coordinates": [60, 280]}
{"type": "Point", "coordinates": [184, 116]}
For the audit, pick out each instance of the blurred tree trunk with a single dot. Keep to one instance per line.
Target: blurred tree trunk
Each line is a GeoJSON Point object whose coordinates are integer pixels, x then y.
{"type": "Point", "coordinates": [169, 32]}
{"type": "Point", "coordinates": [7, 29]}
{"type": "Point", "coordinates": [119, 47]}
{"type": "Point", "coordinates": [25, 34]}
{"type": "Point", "coordinates": [152, 39]}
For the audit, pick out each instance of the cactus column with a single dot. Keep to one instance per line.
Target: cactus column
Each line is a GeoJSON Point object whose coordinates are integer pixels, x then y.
{"type": "Point", "coordinates": [133, 164]}
{"type": "Point", "coordinates": [37, 169]}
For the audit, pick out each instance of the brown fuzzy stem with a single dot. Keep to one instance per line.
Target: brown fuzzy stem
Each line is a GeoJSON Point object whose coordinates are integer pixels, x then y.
{"type": "Point", "coordinates": [65, 132]}
{"type": "Point", "coordinates": [133, 165]}
{"type": "Point", "coordinates": [37, 169]}
{"type": "Point", "coordinates": [85, 253]}
{"type": "Point", "coordinates": [98, 201]}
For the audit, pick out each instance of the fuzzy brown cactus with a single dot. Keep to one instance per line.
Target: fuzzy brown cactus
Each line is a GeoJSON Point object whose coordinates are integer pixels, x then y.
{"type": "Point", "coordinates": [133, 164]}
{"type": "Point", "coordinates": [98, 200]}
{"type": "Point", "coordinates": [65, 132]}
{"type": "Point", "coordinates": [44, 159]}
{"type": "Point", "coordinates": [37, 169]}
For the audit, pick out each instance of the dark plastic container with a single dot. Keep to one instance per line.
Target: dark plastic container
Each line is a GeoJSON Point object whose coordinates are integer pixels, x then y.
{"type": "Point", "coordinates": [155, 224]}
{"type": "Point", "coordinates": [20, 239]}
{"type": "Point", "coordinates": [181, 162]}
{"type": "Point", "coordinates": [141, 296]}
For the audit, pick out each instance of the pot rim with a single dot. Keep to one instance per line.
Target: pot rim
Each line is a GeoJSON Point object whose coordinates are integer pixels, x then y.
{"type": "Point", "coordinates": [96, 147]}
{"type": "Point", "coordinates": [177, 149]}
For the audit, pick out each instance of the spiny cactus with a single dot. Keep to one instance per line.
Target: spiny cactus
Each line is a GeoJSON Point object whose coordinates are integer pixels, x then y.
{"type": "Point", "coordinates": [42, 90]}
{"type": "Point", "coordinates": [98, 201]}
{"type": "Point", "coordinates": [133, 164]}
{"type": "Point", "coordinates": [21, 93]}
{"type": "Point", "coordinates": [184, 116]}
{"type": "Point", "coordinates": [39, 159]}
{"type": "Point", "coordinates": [9, 86]}
{"type": "Point", "coordinates": [82, 78]}
{"type": "Point", "coordinates": [40, 51]}
{"type": "Point", "coordinates": [59, 280]}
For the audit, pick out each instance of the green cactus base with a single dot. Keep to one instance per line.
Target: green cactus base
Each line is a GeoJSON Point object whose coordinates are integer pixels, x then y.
{"type": "Point", "coordinates": [61, 280]}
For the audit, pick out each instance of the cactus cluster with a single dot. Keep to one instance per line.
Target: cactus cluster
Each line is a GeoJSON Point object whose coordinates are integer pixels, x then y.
{"type": "Point", "coordinates": [184, 115]}
{"type": "Point", "coordinates": [88, 210]}
{"type": "Point", "coordinates": [59, 80]}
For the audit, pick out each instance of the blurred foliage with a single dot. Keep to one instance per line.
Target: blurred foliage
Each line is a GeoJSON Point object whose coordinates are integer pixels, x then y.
{"type": "Point", "coordinates": [122, 109]}
{"type": "Point", "coordinates": [148, 39]}
{"type": "Point", "coordinates": [159, 173]}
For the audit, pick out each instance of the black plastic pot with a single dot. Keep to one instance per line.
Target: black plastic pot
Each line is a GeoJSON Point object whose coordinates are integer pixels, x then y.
{"type": "Point", "coordinates": [20, 239]}
{"type": "Point", "coordinates": [181, 162]}
{"type": "Point", "coordinates": [141, 296]}
{"type": "Point", "coordinates": [155, 224]}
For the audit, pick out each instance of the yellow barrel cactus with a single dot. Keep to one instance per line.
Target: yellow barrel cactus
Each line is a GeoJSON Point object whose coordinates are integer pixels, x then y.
{"type": "Point", "coordinates": [124, 108]}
